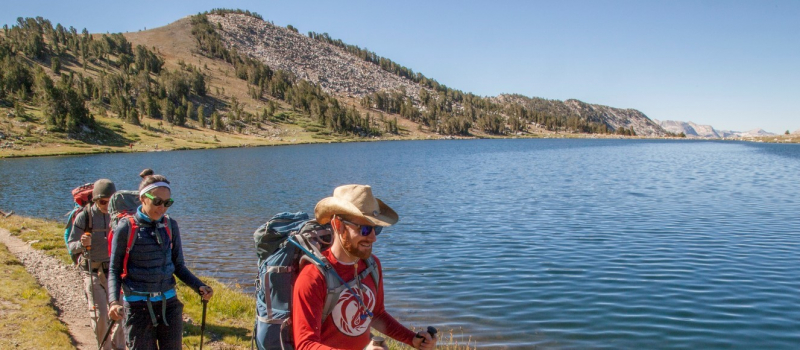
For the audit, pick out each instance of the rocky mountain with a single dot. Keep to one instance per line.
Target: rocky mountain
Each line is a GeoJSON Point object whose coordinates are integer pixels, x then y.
{"type": "Point", "coordinates": [614, 118]}
{"type": "Point", "coordinates": [617, 117]}
{"type": "Point", "coordinates": [341, 73]}
{"type": "Point", "coordinates": [693, 130]}
{"type": "Point", "coordinates": [755, 133]}
{"type": "Point", "coordinates": [690, 129]}
{"type": "Point", "coordinates": [328, 66]}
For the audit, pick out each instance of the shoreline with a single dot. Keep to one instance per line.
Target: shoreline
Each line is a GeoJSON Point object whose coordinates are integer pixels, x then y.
{"type": "Point", "coordinates": [47, 151]}
{"type": "Point", "coordinates": [38, 245]}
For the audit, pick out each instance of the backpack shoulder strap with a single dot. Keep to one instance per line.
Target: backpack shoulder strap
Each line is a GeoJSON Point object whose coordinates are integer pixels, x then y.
{"type": "Point", "coordinates": [372, 269]}
{"type": "Point", "coordinates": [131, 238]}
{"type": "Point", "coordinates": [334, 289]}
{"type": "Point", "coordinates": [167, 227]}
{"type": "Point", "coordinates": [89, 221]}
{"type": "Point", "coordinates": [335, 285]}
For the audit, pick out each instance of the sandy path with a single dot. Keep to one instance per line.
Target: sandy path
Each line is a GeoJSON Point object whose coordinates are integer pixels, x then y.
{"type": "Point", "coordinates": [64, 285]}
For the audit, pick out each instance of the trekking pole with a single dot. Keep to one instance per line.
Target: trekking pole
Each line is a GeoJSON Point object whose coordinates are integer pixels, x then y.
{"type": "Point", "coordinates": [88, 256]}
{"type": "Point", "coordinates": [203, 322]}
{"type": "Point", "coordinates": [108, 331]}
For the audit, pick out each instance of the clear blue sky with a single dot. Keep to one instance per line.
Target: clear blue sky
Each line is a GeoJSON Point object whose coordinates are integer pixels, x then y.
{"type": "Point", "coordinates": [732, 64]}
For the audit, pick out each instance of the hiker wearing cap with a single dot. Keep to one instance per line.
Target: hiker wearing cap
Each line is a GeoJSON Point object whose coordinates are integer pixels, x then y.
{"type": "Point", "coordinates": [152, 240]}
{"type": "Point", "coordinates": [356, 218]}
{"type": "Point", "coordinates": [88, 236]}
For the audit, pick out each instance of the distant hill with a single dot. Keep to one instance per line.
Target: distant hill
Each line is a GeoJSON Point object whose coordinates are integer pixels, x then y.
{"type": "Point", "coordinates": [693, 130]}
{"type": "Point", "coordinates": [690, 129]}
{"type": "Point", "coordinates": [349, 71]}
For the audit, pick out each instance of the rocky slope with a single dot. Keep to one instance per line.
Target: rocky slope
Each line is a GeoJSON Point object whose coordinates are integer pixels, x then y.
{"type": "Point", "coordinates": [341, 73]}
{"type": "Point", "coordinates": [333, 69]}
{"type": "Point", "coordinates": [691, 129]}
{"type": "Point", "coordinates": [617, 118]}
{"type": "Point", "coordinates": [614, 118]}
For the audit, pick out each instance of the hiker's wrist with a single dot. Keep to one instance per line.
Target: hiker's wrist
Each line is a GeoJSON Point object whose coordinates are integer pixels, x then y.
{"type": "Point", "coordinates": [116, 303]}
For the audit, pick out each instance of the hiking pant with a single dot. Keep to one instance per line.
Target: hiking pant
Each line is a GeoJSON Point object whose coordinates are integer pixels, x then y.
{"type": "Point", "coordinates": [98, 307]}
{"type": "Point", "coordinates": [141, 332]}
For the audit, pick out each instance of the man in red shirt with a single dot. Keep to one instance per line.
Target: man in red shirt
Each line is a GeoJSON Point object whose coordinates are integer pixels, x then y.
{"type": "Point", "coordinates": [356, 219]}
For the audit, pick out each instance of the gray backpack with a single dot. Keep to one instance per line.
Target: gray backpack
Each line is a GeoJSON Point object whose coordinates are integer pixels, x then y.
{"type": "Point", "coordinates": [121, 204]}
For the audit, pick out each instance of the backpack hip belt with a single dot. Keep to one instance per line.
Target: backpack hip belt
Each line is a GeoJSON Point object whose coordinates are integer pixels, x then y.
{"type": "Point", "coordinates": [149, 302]}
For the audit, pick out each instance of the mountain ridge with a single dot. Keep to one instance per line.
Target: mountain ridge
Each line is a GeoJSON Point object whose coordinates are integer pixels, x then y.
{"type": "Point", "coordinates": [694, 130]}
{"type": "Point", "coordinates": [338, 72]}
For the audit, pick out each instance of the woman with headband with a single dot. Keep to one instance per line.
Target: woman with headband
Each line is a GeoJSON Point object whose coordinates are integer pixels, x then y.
{"type": "Point", "coordinates": [145, 254]}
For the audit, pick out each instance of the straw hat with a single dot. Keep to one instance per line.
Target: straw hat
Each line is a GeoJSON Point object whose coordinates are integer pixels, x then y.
{"type": "Point", "coordinates": [357, 203]}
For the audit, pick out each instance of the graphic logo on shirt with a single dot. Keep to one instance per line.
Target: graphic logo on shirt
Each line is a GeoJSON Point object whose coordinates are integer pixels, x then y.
{"type": "Point", "coordinates": [347, 312]}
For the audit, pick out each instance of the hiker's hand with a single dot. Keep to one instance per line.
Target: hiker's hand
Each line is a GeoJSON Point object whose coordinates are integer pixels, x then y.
{"type": "Point", "coordinates": [424, 341]}
{"type": "Point", "coordinates": [206, 292]}
{"type": "Point", "coordinates": [115, 312]}
{"type": "Point", "coordinates": [86, 240]}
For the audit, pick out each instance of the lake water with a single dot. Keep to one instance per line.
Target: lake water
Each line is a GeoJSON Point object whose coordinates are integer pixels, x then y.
{"type": "Point", "coordinates": [554, 244]}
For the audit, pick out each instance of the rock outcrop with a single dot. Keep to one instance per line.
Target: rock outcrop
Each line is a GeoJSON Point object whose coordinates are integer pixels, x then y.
{"type": "Point", "coordinates": [614, 118]}
{"type": "Point", "coordinates": [328, 66]}
{"type": "Point", "coordinates": [692, 130]}
{"type": "Point", "coordinates": [617, 118]}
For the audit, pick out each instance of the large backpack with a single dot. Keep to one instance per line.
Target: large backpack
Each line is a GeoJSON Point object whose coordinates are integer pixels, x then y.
{"type": "Point", "coordinates": [283, 244]}
{"type": "Point", "coordinates": [122, 206]}
{"type": "Point", "coordinates": [82, 198]}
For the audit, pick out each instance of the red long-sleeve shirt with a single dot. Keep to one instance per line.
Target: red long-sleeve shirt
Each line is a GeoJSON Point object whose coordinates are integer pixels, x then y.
{"type": "Point", "coordinates": [344, 328]}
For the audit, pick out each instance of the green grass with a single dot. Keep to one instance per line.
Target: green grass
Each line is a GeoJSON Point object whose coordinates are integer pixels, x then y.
{"type": "Point", "coordinates": [229, 315]}
{"type": "Point", "coordinates": [27, 319]}
{"type": "Point", "coordinates": [46, 235]}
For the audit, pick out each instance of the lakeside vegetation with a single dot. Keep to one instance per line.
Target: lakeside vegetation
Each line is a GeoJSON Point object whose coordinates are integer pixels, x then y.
{"type": "Point", "coordinates": [229, 318]}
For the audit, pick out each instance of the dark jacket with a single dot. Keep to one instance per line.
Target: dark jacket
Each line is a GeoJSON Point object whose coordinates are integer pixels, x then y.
{"type": "Point", "coordinates": [150, 265]}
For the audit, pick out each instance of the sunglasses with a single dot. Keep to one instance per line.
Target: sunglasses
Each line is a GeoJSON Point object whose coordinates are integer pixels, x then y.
{"type": "Point", "coordinates": [102, 201]}
{"type": "Point", "coordinates": [158, 201]}
{"type": "Point", "coordinates": [365, 230]}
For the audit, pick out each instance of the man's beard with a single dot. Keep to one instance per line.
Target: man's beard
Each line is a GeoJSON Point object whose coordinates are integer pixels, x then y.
{"type": "Point", "coordinates": [353, 249]}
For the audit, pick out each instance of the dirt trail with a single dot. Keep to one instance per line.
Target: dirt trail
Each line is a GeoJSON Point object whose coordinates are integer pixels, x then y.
{"type": "Point", "coordinates": [64, 285]}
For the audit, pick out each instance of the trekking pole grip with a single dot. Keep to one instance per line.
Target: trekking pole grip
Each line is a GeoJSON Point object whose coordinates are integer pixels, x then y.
{"type": "Point", "coordinates": [431, 330]}
{"type": "Point", "coordinates": [87, 233]}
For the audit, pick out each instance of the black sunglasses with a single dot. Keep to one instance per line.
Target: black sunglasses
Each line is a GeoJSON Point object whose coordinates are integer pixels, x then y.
{"type": "Point", "coordinates": [365, 230]}
{"type": "Point", "coordinates": [158, 201]}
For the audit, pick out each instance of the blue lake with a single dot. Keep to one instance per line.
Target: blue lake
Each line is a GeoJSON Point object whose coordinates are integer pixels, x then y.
{"type": "Point", "coordinates": [554, 244]}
